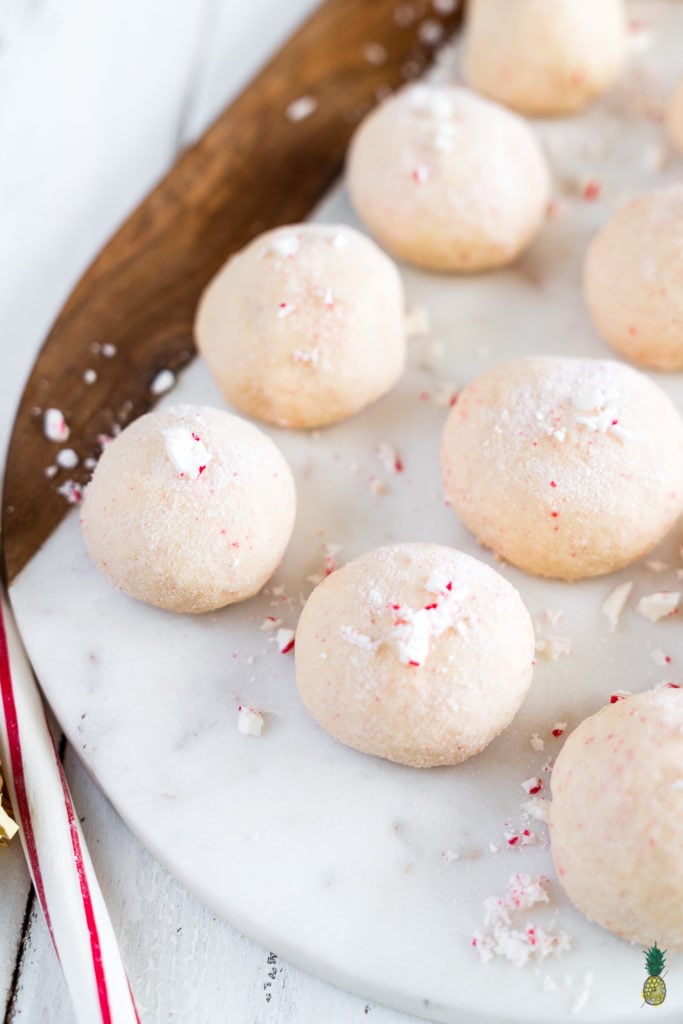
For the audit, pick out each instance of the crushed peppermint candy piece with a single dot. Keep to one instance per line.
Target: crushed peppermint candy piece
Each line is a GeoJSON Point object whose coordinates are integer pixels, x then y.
{"type": "Point", "coordinates": [659, 657]}
{"type": "Point", "coordinates": [417, 322]}
{"type": "Point", "coordinates": [89, 376]}
{"type": "Point", "coordinates": [67, 459]}
{"type": "Point", "coordinates": [450, 855]}
{"type": "Point", "coordinates": [186, 451]}
{"type": "Point", "coordinates": [658, 605]}
{"type": "Point", "coordinates": [50, 471]}
{"type": "Point", "coordinates": [517, 839]}
{"type": "Point", "coordinates": [71, 491]}
{"type": "Point", "coordinates": [108, 350]}
{"type": "Point", "coordinates": [270, 623]}
{"type": "Point", "coordinates": [55, 426]}
{"type": "Point", "coordinates": [536, 742]}
{"type": "Point", "coordinates": [614, 603]}
{"type": "Point", "coordinates": [352, 636]}
{"type": "Point", "coordinates": [301, 108]}
{"type": "Point", "coordinates": [162, 382]}
{"type": "Point", "coordinates": [285, 245]}
{"type": "Point", "coordinates": [285, 309]}
{"type": "Point", "coordinates": [414, 628]}
{"type": "Point", "coordinates": [375, 53]}
{"type": "Point", "coordinates": [619, 695]}
{"type": "Point", "coordinates": [389, 457]}
{"type": "Point", "coordinates": [532, 786]}
{"type": "Point", "coordinates": [538, 808]}
{"type": "Point", "coordinates": [249, 721]}
{"type": "Point", "coordinates": [553, 647]}
{"type": "Point", "coordinates": [558, 729]}
{"type": "Point", "coordinates": [519, 945]}
{"type": "Point", "coordinates": [605, 410]}
{"type": "Point", "coordinates": [285, 640]}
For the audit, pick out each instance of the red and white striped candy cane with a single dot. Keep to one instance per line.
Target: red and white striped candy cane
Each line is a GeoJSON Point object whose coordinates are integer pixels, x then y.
{"type": "Point", "coordinates": [59, 862]}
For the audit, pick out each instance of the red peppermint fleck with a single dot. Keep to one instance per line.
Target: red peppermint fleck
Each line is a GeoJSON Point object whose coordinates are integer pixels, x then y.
{"type": "Point", "coordinates": [449, 585]}
{"type": "Point", "coordinates": [616, 697]}
{"type": "Point", "coordinates": [415, 664]}
{"type": "Point", "coordinates": [673, 686]}
{"type": "Point", "coordinates": [591, 190]}
{"type": "Point", "coordinates": [513, 840]}
{"type": "Point", "coordinates": [428, 608]}
{"type": "Point", "coordinates": [558, 732]}
{"type": "Point", "coordinates": [553, 484]}
{"type": "Point", "coordinates": [288, 647]}
{"type": "Point", "coordinates": [554, 514]}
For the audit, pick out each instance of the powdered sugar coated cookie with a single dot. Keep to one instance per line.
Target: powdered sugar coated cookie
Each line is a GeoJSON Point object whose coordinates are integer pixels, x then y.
{"type": "Point", "coordinates": [544, 58]}
{"type": "Point", "coordinates": [189, 509]}
{"type": "Point", "coordinates": [632, 280]}
{"type": "Point", "coordinates": [304, 326]}
{"type": "Point", "coordinates": [414, 652]}
{"type": "Point", "coordinates": [616, 817]}
{"type": "Point", "coordinates": [565, 467]}
{"type": "Point", "coordinates": [447, 180]}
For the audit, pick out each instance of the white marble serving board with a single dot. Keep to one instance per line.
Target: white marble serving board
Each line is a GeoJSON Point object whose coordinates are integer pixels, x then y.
{"type": "Point", "coordinates": [333, 858]}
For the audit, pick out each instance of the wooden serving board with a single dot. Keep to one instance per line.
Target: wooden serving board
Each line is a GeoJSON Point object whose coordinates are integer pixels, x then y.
{"type": "Point", "coordinates": [253, 169]}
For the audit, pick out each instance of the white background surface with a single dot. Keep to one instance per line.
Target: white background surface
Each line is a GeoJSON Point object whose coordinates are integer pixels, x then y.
{"type": "Point", "coordinates": [96, 100]}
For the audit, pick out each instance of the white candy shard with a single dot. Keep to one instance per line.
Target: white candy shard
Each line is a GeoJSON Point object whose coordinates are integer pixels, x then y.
{"type": "Point", "coordinates": [659, 657]}
{"type": "Point", "coordinates": [285, 245]}
{"type": "Point", "coordinates": [249, 721]}
{"type": "Point", "coordinates": [658, 605]}
{"type": "Point", "coordinates": [163, 382]}
{"type": "Point", "coordinates": [186, 451]}
{"type": "Point", "coordinates": [536, 742]}
{"type": "Point", "coordinates": [352, 636]}
{"type": "Point", "coordinates": [614, 603]}
{"type": "Point", "coordinates": [67, 459]}
{"type": "Point", "coordinates": [55, 426]}
{"type": "Point", "coordinates": [301, 108]}
{"type": "Point", "coordinates": [285, 640]}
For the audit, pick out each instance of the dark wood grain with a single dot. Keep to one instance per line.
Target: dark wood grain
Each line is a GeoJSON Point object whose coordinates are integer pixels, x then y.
{"type": "Point", "coordinates": [252, 170]}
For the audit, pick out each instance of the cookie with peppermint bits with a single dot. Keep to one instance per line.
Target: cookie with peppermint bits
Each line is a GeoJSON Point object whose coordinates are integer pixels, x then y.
{"type": "Point", "coordinates": [189, 509]}
{"type": "Point", "coordinates": [564, 467]}
{"type": "Point", "coordinates": [416, 653]}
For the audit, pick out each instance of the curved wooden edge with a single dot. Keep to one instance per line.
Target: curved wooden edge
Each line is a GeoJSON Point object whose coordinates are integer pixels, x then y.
{"type": "Point", "coordinates": [255, 168]}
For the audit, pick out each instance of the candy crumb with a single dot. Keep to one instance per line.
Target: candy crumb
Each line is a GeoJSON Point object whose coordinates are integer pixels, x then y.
{"type": "Point", "coordinates": [55, 426]}
{"type": "Point", "coordinates": [657, 606]}
{"type": "Point", "coordinates": [162, 382]}
{"type": "Point", "coordinates": [301, 108]}
{"type": "Point", "coordinates": [536, 742]}
{"type": "Point", "coordinates": [285, 640]}
{"type": "Point", "coordinates": [659, 657]}
{"type": "Point", "coordinates": [270, 623]}
{"type": "Point", "coordinates": [505, 938]}
{"type": "Point", "coordinates": [538, 808]}
{"type": "Point", "coordinates": [615, 602]}
{"type": "Point", "coordinates": [249, 721]}
{"type": "Point", "coordinates": [417, 322]}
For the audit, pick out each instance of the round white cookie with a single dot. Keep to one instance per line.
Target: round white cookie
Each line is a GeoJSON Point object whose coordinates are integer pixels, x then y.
{"type": "Point", "coordinates": [632, 280]}
{"type": "Point", "coordinates": [189, 508]}
{"type": "Point", "coordinates": [414, 652]}
{"type": "Point", "coordinates": [304, 326]}
{"type": "Point", "coordinates": [565, 467]}
{"type": "Point", "coordinates": [447, 180]}
{"type": "Point", "coordinates": [544, 58]}
{"type": "Point", "coordinates": [616, 817]}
